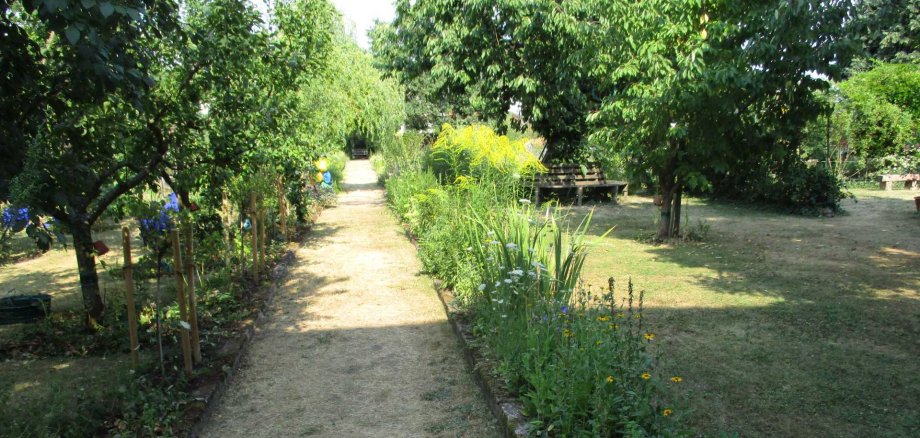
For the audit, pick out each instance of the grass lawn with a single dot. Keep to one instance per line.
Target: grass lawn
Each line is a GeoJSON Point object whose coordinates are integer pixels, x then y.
{"type": "Point", "coordinates": [60, 396]}
{"type": "Point", "coordinates": [781, 325]}
{"type": "Point", "coordinates": [55, 272]}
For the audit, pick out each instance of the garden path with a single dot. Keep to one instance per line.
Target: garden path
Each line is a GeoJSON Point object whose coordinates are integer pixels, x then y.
{"type": "Point", "coordinates": [357, 343]}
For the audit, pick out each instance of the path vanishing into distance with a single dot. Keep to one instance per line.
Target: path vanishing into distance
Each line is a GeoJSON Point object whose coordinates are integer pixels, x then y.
{"type": "Point", "coordinates": [357, 343]}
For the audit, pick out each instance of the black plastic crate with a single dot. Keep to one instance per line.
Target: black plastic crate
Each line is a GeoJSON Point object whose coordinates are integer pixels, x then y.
{"type": "Point", "coordinates": [24, 308]}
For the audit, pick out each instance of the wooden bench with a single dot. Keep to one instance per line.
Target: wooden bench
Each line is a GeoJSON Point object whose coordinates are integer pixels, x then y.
{"type": "Point", "coordinates": [359, 152]}
{"type": "Point", "coordinates": [577, 177]}
{"type": "Point", "coordinates": [911, 180]}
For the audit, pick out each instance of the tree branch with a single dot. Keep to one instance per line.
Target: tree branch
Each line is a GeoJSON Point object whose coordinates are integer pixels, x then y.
{"type": "Point", "coordinates": [142, 174]}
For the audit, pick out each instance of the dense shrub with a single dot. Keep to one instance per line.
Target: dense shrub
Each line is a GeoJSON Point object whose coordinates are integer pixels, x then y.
{"type": "Point", "coordinates": [792, 185]}
{"type": "Point", "coordinates": [337, 161]}
{"type": "Point", "coordinates": [873, 123]}
{"type": "Point", "coordinates": [406, 154]}
{"type": "Point", "coordinates": [805, 188]}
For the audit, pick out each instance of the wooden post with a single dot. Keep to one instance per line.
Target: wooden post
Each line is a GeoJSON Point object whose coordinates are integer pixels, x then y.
{"type": "Point", "coordinates": [129, 296]}
{"type": "Point", "coordinates": [282, 206]}
{"type": "Point", "coordinates": [227, 220]}
{"type": "Point", "coordinates": [183, 309]}
{"type": "Point", "coordinates": [261, 238]}
{"type": "Point", "coordinates": [192, 300]}
{"type": "Point", "coordinates": [255, 234]}
{"type": "Point", "coordinates": [239, 219]}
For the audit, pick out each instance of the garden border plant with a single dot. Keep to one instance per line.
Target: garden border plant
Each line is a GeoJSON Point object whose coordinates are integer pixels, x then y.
{"type": "Point", "coordinates": [577, 359]}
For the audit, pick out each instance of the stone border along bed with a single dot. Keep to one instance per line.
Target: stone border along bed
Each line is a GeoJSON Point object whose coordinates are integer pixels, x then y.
{"type": "Point", "coordinates": [237, 346]}
{"type": "Point", "coordinates": [508, 411]}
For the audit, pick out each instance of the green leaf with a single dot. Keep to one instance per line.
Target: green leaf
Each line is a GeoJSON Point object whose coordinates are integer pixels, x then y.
{"type": "Point", "coordinates": [107, 9]}
{"type": "Point", "coordinates": [133, 13]}
{"type": "Point", "coordinates": [72, 34]}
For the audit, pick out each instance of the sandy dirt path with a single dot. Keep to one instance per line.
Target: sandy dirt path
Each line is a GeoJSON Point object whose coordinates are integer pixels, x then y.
{"type": "Point", "coordinates": [357, 343]}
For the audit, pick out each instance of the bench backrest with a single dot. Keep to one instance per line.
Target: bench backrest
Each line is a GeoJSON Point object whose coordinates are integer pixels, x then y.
{"type": "Point", "coordinates": [906, 177]}
{"type": "Point", "coordinates": [572, 174]}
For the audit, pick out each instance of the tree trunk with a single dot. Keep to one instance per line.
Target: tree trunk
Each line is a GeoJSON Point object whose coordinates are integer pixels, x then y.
{"type": "Point", "coordinates": [666, 185]}
{"type": "Point", "coordinates": [675, 210]}
{"type": "Point", "coordinates": [86, 264]}
{"type": "Point", "coordinates": [669, 184]}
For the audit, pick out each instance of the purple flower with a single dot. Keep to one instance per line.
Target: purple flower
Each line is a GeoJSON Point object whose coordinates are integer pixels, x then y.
{"type": "Point", "coordinates": [172, 204]}
{"type": "Point", "coordinates": [14, 218]}
{"type": "Point", "coordinates": [565, 310]}
{"type": "Point", "coordinates": [161, 222]}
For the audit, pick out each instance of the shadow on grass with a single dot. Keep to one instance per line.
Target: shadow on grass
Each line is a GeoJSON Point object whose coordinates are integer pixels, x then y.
{"type": "Point", "coordinates": [60, 396]}
{"type": "Point", "coordinates": [783, 325]}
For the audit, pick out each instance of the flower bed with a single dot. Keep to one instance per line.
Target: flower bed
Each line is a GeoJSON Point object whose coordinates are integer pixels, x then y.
{"type": "Point", "coordinates": [576, 358]}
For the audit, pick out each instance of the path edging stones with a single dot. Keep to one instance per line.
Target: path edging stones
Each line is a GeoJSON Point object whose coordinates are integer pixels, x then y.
{"type": "Point", "coordinates": [507, 409]}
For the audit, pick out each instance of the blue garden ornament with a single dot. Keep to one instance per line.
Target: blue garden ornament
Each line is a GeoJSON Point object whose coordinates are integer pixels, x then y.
{"type": "Point", "coordinates": [247, 225]}
{"type": "Point", "coordinates": [327, 178]}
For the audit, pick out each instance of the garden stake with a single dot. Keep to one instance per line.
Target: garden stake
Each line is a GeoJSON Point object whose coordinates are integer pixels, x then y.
{"type": "Point", "coordinates": [129, 296]}
{"type": "Point", "coordinates": [192, 300]}
{"type": "Point", "coordinates": [261, 238]}
{"type": "Point", "coordinates": [282, 207]}
{"type": "Point", "coordinates": [227, 219]}
{"type": "Point", "coordinates": [255, 235]}
{"type": "Point", "coordinates": [240, 217]}
{"type": "Point", "coordinates": [183, 309]}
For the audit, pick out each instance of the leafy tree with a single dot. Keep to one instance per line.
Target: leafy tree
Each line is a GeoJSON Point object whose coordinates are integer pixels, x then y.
{"type": "Point", "coordinates": [701, 88]}
{"type": "Point", "coordinates": [499, 53]}
{"type": "Point", "coordinates": [884, 107]}
{"type": "Point", "coordinates": [217, 120]}
{"type": "Point", "coordinates": [426, 105]}
{"type": "Point", "coordinates": [88, 131]}
{"type": "Point", "coordinates": [110, 95]}
{"type": "Point", "coordinates": [873, 120]}
{"type": "Point", "coordinates": [890, 29]}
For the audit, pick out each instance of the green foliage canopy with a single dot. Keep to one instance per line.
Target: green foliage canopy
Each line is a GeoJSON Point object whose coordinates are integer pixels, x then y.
{"type": "Point", "coordinates": [502, 52]}
{"type": "Point", "coordinates": [700, 88]}
{"type": "Point", "coordinates": [884, 108]}
{"type": "Point", "coordinates": [890, 29]}
{"type": "Point", "coordinates": [110, 95]}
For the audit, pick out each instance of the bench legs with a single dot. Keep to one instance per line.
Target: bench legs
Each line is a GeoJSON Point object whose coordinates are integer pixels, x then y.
{"type": "Point", "coordinates": [580, 194]}
{"type": "Point", "coordinates": [908, 184]}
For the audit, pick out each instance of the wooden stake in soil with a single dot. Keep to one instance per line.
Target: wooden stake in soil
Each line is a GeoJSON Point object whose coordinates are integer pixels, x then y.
{"type": "Point", "coordinates": [261, 238]}
{"type": "Point", "coordinates": [183, 309]}
{"type": "Point", "coordinates": [227, 219]}
{"type": "Point", "coordinates": [282, 207]}
{"type": "Point", "coordinates": [192, 300]}
{"type": "Point", "coordinates": [129, 296]}
{"type": "Point", "coordinates": [255, 234]}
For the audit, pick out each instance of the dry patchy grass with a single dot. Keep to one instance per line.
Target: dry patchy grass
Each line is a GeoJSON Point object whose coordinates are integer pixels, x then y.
{"type": "Point", "coordinates": [782, 325]}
